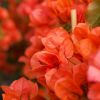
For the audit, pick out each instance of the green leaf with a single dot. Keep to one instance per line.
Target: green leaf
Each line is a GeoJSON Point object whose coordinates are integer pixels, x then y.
{"type": "Point", "coordinates": [93, 13]}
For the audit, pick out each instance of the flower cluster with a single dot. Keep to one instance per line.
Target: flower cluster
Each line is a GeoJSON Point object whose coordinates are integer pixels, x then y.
{"type": "Point", "coordinates": [9, 34]}
{"type": "Point", "coordinates": [61, 63]}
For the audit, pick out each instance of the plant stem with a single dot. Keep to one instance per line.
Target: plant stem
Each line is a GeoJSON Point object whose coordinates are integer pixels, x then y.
{"type": "Point", "coordinates": [73, 18]}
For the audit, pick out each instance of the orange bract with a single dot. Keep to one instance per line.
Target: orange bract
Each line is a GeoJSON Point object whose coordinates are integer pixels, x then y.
{"type": "Point", "coordinates": [85, 47]}
{"type": "Point", "coordinates": [94, 92]}
{"type": "Point", "coordinates": [56, 59]}
{"type": "Point", "coordinates": [55, 38]}
{"type": "Point", "coordinates": [54, 75]}
{"type": "Point", "coordinates": [66, 50]}
{"type": "Point", "coordinates": [80, 73]}
{"type": "Point", "coordinates": [66, 88]}
{"type": "Point", "coordinates": [21, 88]}
{"type": "Point", "coordinates": [81, 31]}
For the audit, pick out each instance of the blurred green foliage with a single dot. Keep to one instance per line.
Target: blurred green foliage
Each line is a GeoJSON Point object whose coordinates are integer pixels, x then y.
{"type": "Point", "coordinates": [93, 13]}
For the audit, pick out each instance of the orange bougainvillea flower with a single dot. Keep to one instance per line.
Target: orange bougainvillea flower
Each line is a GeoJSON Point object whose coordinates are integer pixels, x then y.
{"type": "Point", "coordinates": [75, 78]}
{"type": "Point", "coordinates": [95, 35]}
{"type": "Point", "coordinates": [20, 89]}
{"type": "Point", "coordinates": [66, 50]}
{"type": "Point", "coordinates": [42, 15]}
{"type": "Point", "coordinates": [65, 65]}
{"type": "Point", "coordinates": [67, 89]}
{"type": "Point", "coordinates": [58, 47]}
{"type": "Point", "coordinates": [80, 73]}
{"type": "Point", "coordinates": [85, 47]}
{"type": "Point", "coordinates": [55, 38]}
{"type": "Point", "coordinates": [44, 58]}
{"type": "Point", "coordinates": [9, 34]}
{"type": "Point", "coordinates": [35, 47]}
{"type": "Point", "coordinates": [81, 31]}
{"type": "Point", "coordinates": [62, 9]}
{"type": "Point", "coordinates": [84, 44]}
{"type": "Point", "coordinates": [43, 61]}
{"type": "Point", "coordinates": [55, 74]}
{"type": "Point", "coordinates": [50, 78]}
{"type": "Point", "coordinates": [94, 92]}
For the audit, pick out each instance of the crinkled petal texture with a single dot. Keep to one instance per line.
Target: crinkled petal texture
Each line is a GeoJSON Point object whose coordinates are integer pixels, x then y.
{"type": "Point", "coordinates": [83, 38]}
{"type": "Point", "coordinates": [66, 50]}
{"type": "Point", "coordinates": [55, 38]}
{"type": "Point", "coordinates": [20, 89]}
{"type": "Point", "coordinates": [66, 83]}
{"type": "Point", "coordinates": [55, 74]}
{"type": "Point", "coordinates": [44, 58]}
{"type": "Point", "coordinates": [67, 89]}
{"type": "Point", "coordinates": [43, 61]}
{"type": "Point", "coordinates": [59, 8]}
{"type": "Point", "coordinates": [81, 31]}
{"type": "Point", "coordinates": [62, 9]}
{"type": "Point", "coordinates": [94, 92]}
{"type": "Point", "coordinates": [58, 41]}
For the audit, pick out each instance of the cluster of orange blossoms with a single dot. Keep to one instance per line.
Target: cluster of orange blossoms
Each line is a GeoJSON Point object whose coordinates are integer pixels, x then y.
{"type": "Point", "coordinates": [60, 64]}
